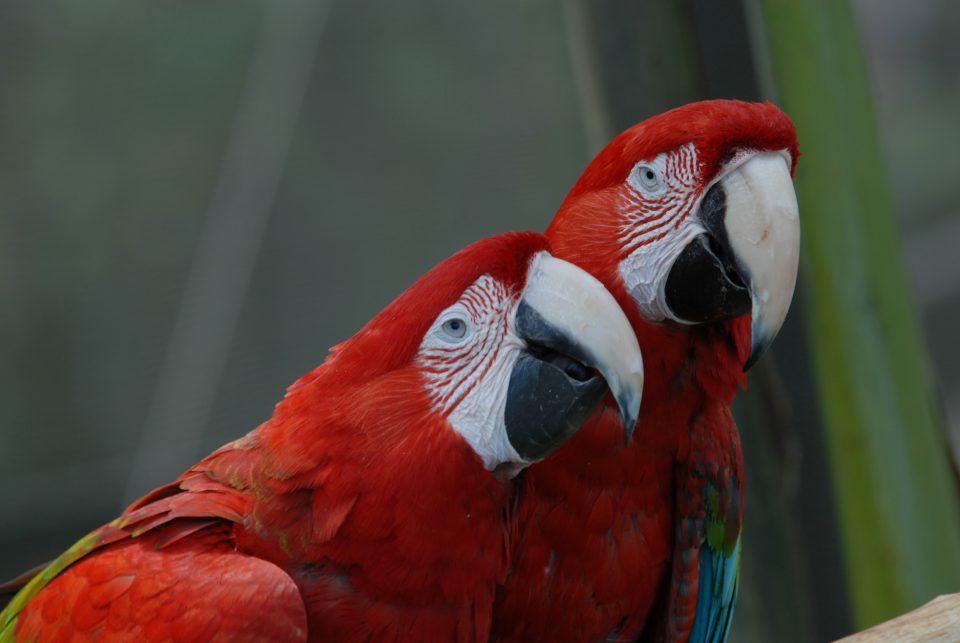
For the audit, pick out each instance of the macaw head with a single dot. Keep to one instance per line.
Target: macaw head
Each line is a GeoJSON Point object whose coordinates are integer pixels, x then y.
{"type": "Point", "coordinates": [510, 346]}
{"type": "Point", "coordinates": [691, 215]}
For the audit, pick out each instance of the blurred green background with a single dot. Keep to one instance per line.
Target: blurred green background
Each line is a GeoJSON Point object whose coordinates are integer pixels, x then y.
{"type": "Point", "coordinates": [198, 198]}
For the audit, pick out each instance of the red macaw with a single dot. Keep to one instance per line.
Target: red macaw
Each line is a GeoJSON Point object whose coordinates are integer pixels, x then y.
{"type": "Point", "coordinates": [690, 220]}
{"type": "Point", "coordinates": [378, 501]}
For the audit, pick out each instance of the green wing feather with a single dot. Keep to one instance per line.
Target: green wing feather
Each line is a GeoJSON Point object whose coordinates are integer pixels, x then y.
{"type": "Point", "coordinates": [109, 533]}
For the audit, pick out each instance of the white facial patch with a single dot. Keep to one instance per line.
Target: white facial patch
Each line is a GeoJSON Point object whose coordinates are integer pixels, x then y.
{"type": "Point", "coordinates": [468, 375]}
{"type": "Point", "coordinates": [645, 270]}
{"type": "Point", "coordinates": [659, 197]}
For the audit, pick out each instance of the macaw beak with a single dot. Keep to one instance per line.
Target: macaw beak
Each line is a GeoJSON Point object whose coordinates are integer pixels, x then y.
{"type": "Point", "coordinates": [746, 261]}
{"type": "Point", "coordinates": [570, 324]}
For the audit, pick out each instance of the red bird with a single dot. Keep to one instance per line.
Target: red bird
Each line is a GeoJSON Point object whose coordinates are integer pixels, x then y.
{"type": "Point", "coordinates": [377, 504]}
{"type": "Point", "coordinates": [690, 220]}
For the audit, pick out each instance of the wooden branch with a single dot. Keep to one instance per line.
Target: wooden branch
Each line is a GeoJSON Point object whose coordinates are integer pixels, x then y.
{"type": "Point", "coordinates": [938, 620]}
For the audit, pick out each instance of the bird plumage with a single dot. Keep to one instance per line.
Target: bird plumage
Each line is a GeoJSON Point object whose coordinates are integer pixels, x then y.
{"type": "Point", "coordinates": [657, 553]}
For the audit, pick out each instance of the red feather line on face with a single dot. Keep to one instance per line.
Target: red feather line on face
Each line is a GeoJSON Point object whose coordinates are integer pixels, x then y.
{"type": "Point", "coordinates": [646, 219]}
{"type": "Point", "coordinates": [454, 371]}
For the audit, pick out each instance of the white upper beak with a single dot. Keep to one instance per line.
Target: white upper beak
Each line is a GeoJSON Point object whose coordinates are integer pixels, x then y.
{"type": "Point", "coordinates": [763, 229]}
{"type": "Point", "coordinates": [577, 305]}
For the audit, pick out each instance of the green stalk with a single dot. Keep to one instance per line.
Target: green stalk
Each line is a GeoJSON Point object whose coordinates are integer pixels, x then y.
{"type": "Point", "coordinates": [897, 498]}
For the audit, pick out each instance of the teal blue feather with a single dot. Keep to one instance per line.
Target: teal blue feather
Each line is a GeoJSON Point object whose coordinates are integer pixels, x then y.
{"type": "Point", "coordinates": [719, 582]}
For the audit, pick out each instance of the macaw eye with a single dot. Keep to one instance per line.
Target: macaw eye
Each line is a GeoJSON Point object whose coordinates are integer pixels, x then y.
{"type": "Point", "coordinates": [454, 328]}
{"type": "Point", "coordinates": [649, 177]}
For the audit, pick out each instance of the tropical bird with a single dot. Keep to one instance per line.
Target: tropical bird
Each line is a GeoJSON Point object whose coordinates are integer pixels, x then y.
{"type": "Point", "coordinates": [380, 499]}
{"type": "Point", "coordinates": [690, 219]}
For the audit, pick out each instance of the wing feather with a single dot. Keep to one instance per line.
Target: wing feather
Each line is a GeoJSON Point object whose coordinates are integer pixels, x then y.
{"type": "Point", "coordinates": [192, 589]}
{"type": "Point", "coordinates": [719, 583]}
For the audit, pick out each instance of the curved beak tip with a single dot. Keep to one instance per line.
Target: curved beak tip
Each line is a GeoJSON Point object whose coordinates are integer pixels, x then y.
{"type": "Point", "coordinates": [630, 418]}
{"type": "Point", "coordinates": [628, 396]}
{"type": "Point", "coordinates": [578, 308]}
{"type": "Point", "coordinates": [756, 350]}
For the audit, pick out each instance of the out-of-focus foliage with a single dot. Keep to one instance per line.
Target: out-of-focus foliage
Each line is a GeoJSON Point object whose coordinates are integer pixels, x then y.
{"type": "Point", "coordinates": [896, 494]}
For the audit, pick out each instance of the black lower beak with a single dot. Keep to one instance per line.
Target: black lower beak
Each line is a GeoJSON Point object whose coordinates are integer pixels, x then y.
{"type": "Point", "coordinates": [551, 392]}
{"type": "Point", "coordinates": [705, 283]}
{"type": "Point", "coordinates": [746, 261]}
